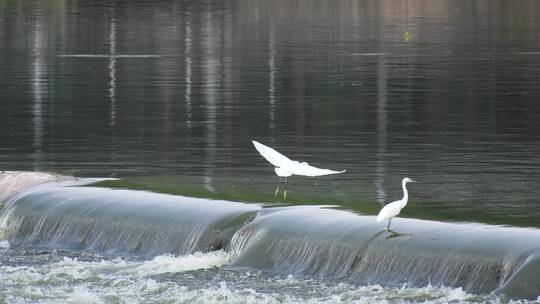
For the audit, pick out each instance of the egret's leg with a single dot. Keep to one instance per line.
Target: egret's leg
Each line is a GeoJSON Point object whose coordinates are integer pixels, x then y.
{"type": "Point", "coordinates": [277, 189]}
{"type": "Point", "coordinates": [388, 226]}
{"type": "Point", "coordinates": [285, 191]}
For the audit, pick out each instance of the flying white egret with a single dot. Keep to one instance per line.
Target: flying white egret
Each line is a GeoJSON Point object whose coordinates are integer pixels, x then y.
{"type": "Point", "coordinates": [284, 167]}
{"type": "Point", "coordinates": [392, 209]}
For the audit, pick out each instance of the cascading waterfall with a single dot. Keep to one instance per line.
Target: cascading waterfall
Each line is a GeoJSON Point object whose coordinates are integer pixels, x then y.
{"type": "Point", "coordinates": [121, 221]}
{"type": "Point", "coordinates": [294, 241]}
{"type": "Point", "coordinates": [308, 241]}
{"type": "Point", "coordinates": [322, 242]}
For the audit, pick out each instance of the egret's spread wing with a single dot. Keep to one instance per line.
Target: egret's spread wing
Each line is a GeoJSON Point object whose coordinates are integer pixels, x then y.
{"type": "Point", "coordinates": [307, 170]}
{"type": "Point", "coordinates": [274, 157]}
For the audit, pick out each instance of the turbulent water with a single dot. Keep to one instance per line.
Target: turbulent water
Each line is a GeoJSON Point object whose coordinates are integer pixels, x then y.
{"type": "Point", "coordinates": [61, 242]}
{"type": "Point", "coordinates": [196, 278]}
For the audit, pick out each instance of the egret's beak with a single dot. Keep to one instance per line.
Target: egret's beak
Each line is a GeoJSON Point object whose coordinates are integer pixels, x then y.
{"type": "Point", "coordinates": [413, 181]}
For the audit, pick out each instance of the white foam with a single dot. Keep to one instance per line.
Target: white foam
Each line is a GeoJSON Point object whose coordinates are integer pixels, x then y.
{"type": "Point", "coordinates": [75, 269]}
{"type": "Point", "coordinates": [4, 244]}
{"type": "Point", "coordinates": [125, 281]}
{"type": "Point", "coordinates": [82, 295]}
{"type": "Point", "coordinates": [31, 292]}
{"type": "Point", "coordinates": [166, 263]}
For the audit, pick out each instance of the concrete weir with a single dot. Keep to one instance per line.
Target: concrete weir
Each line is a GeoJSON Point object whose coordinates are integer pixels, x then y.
{"type": "Point", "coordinates": [333, 243]}
{"type": "Point", "coordinates": [41, 212]}
{"type": "Point", "coordinates": [50, 215]}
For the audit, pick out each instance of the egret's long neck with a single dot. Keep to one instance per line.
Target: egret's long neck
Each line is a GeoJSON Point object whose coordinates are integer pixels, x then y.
{"type": "Point", "coordinates": [405, 194]}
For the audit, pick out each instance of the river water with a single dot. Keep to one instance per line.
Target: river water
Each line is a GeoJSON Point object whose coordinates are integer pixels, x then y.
{"type": "Point", "coordinates": [167, 96]}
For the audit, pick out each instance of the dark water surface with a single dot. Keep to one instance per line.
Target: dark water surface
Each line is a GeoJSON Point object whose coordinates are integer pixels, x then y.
{"type": "Point", "coordinates": [168, 95]}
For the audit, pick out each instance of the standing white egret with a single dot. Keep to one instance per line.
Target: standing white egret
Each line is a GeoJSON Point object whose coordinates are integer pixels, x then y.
{"type": "Point", "coordinates": [392, 209]}
{"type": "Point", "coordinates": [284, 167]}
